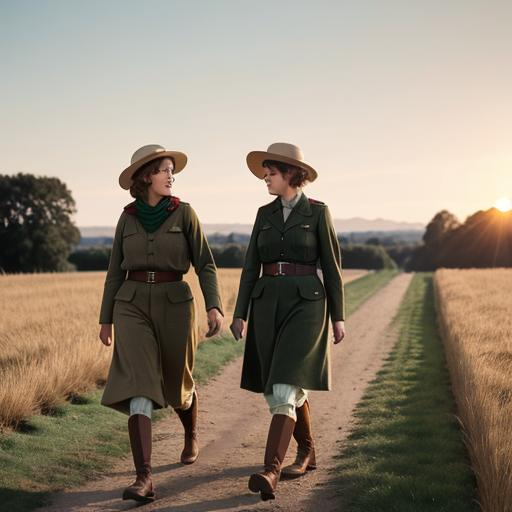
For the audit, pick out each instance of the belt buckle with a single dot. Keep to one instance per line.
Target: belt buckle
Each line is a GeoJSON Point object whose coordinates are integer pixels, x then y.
{"type": "Point", "coordinates": [150, 277]}
{"type": "Point", "coordinates": [280, 268]}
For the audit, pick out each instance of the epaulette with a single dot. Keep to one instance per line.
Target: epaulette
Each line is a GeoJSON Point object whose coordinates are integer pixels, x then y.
{"type": "Point", "coordinates": [314, 201]}
{"type": "Point", "coordinates": [131, 208]}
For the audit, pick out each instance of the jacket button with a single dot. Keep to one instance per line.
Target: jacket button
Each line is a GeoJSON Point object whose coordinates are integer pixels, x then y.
{"type": "Point", "coordinates": [281, 254]}
{"type": "Point", "coordinates": [282, 238]}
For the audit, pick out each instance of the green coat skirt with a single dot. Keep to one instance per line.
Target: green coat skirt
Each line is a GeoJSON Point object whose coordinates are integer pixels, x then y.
{"type": "Point", "coordinates": [287, 335]}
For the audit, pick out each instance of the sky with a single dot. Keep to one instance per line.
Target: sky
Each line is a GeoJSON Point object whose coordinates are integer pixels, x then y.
{"type": "Point", "coordinates": [403, 107]}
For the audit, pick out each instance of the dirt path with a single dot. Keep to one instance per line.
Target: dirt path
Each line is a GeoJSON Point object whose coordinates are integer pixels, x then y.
{"type": "Point", "coordinates": [233, 428]}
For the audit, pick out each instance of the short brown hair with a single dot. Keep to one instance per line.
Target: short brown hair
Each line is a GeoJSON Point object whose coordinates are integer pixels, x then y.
{"type": "Point", "coordinates": [297, 175]}
{"type": "Point", "coordinates": [139, 187]}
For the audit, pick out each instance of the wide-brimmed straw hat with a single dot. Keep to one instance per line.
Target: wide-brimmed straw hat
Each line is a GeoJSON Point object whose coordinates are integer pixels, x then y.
{"type": "Point", "coordinates": [144, 155]}
{"type": "Point", "coordinates": [282, 152]}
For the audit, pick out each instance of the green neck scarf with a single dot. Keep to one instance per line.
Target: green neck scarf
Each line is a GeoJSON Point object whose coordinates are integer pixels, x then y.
{"type": "Point", "coordinates": [152, 217]}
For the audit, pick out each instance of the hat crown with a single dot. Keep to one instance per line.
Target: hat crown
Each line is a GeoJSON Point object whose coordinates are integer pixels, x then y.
{"type": "Point", "coordinates": [146, 151]}
{"type": "Point", "coordinates": [287, 150]}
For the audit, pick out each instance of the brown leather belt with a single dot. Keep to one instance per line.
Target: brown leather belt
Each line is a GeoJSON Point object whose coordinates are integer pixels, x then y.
{"type": "Point", "coordinates": [284, 268]}
{"type": "Point", "coordinates": [147, 276]}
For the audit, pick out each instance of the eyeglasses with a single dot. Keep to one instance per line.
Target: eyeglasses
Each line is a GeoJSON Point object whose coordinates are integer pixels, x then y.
{"type": "Point", "coordinates": [169, 171]}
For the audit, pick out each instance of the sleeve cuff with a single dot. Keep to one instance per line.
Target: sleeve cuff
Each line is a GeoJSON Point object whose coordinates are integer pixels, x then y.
{"type": "Point", "coordinates": [215, 305]}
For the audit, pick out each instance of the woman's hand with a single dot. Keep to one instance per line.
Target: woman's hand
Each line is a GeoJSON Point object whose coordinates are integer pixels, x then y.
{"type": "Point", "coordinates": [338, 330]}
{"type": "Point", "coordinates": [214, 322]}
{"type": "Point", "coordinates": [238, 328]}
{"type": "Point", "coordinates": [106, 334]}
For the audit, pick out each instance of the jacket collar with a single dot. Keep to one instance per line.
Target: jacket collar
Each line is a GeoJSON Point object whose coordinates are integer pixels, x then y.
{"type": "Point", "coordinates": [300, 210]}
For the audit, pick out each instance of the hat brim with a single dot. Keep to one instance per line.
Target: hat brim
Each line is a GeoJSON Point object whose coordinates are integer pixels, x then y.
{"type": "Point", "coordinates": [255, 161]}
{"type": "Point", "coordinates": [180, 161]}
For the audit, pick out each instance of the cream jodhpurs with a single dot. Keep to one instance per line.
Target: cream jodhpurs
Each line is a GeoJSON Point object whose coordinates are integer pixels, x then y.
{"type": "Point", "coordinates": [285, 398]}
{"type": "Point", "coordinates": [143, 405]}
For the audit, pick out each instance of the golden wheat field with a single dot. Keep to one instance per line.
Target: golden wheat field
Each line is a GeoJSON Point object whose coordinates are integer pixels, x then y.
{"type": "Point", "coordinates": [49, 345]}
{"type": "Point", "coordinates": [475, 317]}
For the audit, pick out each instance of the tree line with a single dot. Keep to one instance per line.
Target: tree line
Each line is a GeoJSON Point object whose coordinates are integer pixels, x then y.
{"type": "Point", "coordinates": [37, 235]}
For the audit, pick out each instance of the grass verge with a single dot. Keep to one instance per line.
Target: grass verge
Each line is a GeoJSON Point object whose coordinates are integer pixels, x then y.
{"type": "Point", "coordinates": [356, 292]}
{"type": "Point", "coordinates": [406, 451]}
{"type": "Point", "coordinates": [82, 439]}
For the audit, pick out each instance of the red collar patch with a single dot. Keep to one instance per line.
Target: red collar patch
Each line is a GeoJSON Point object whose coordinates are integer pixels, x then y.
{"type": "Point", "coordinates": [130, 208]}
{"type": "Point", "coordinates": [175, 202]}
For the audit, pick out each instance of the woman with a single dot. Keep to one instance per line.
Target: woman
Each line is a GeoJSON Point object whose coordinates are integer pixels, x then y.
{"type": "Point", "coordinates": [287, 349]}
{"type": "Point", "coordinates": [157, 238]}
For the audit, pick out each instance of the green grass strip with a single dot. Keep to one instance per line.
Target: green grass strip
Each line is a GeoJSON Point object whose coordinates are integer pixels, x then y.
{"type": "Point", "coordinates": [84, 439]}
{"type": "Point", "coordinates": [406, 452]}
{"type": "Point", "coordinates": [356, 292]}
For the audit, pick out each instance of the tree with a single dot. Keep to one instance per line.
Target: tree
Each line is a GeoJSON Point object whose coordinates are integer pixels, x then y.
{"type": "Point", "coordinates": [372, 257]}
{"type": "Point", "coordinates": [442, 224]}
{"type": "Point", "coordinates": [96, 258]}
{"type": "Point", "coordinates": [429, 255]}
{"type": "Point", "coordinates": [484, 240]}
{"type": "Point", "coordinates": [230, 256]}
{"type": "Point", "coordinates": [36, 231]}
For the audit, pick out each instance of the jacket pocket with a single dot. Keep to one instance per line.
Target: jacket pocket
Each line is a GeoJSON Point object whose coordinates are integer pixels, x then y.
{"type": "Point", "coordinates": [304, 242]}
{"type": "Point", "coordinates": [258, 289]}
{"type": "Point", "coordinates": [266, 241]}
{"type": "Point", "coordinates": [126, 292]}
{"type": "Point", "coordinates": [179, 292]}
{"type": "Point", "coordinates": [130, 229]}
{"type": "Point", "coordinates": [311, 290]}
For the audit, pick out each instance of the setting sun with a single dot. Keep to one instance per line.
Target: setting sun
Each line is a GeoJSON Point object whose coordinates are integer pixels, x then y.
{"type": "Point", "coordinates": [503, 204]}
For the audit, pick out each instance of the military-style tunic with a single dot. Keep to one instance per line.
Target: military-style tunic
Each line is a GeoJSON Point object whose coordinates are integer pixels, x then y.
{"type": "Point", "coordinates": [287, 332]}
{"type": "Point", "coordinates": [154, 324]}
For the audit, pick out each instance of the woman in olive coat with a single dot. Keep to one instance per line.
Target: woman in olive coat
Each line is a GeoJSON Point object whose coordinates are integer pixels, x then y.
{"type": "Point", "coordinates": [156, 240]}
{"type": "Point", "coordinates": [287, 348]}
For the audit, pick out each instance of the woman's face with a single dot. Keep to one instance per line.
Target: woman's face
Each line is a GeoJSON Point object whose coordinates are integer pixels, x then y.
{"type": "Point", "coordinates": [161, 182]}
{"type": "Point", "coordinates": [277, 184]}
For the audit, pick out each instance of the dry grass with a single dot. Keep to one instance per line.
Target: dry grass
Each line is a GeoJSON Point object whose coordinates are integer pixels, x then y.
{"type": "Point", "coordinates": [475, 315]}
{"type": "Point", "coordinates": [49, 345]}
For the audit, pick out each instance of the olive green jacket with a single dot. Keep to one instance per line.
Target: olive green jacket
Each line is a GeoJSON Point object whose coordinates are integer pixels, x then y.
{"type": "Point", "coordinates": [307, 236]}
{"type": "Point", "coordinates": [176, 244]}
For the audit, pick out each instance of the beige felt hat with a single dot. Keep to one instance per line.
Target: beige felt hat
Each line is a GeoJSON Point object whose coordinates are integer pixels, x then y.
{"type": "Point", "coordinates": [144, 155]}
{"type": "Point", "coordinates": [282, 152]}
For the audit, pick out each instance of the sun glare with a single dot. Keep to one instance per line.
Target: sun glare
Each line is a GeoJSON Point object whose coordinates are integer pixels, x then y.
{"type": "Point", "coordinates": [504, 204]}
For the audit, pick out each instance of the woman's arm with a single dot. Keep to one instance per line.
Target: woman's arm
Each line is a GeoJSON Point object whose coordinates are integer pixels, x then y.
{"type": "Point", "coordinates": [250, 273]}
{"type": "Point", "coordinates": [203, 262]}
{"type": "Point", "coordinates": [330, 261]}
{"type": "Point", "coordinates": [115, 274]}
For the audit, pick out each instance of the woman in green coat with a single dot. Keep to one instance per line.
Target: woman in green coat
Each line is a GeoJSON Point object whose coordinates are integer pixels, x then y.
{"type": "Point", "coordinates": [288, 308]}
{"type": "Point", "coordinates": [157, 238]}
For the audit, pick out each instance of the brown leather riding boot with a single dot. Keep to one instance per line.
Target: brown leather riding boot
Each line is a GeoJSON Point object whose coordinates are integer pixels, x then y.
{"type": "Point", "coordinates": [188, 418]}
{"type": "Point", "coordinates": [305, 459]}
{"type": "Point", "coordinates": [139, 428]}
{"type": "Point", "coordinates": [279, 435]}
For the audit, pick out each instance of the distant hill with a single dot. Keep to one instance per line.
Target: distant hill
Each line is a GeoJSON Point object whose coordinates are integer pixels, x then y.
{"type": "Point", "coordinates": [356, 224]}
{"type": "Point", "coordinates": [97, 231]}
{"type": "Point", "coordinates": [352, 225]}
